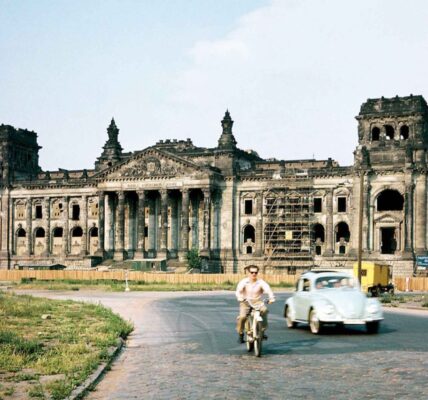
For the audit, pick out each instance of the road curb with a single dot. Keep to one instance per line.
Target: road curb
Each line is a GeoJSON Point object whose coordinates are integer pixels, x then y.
{"type": "Point", "coordinates": [96, 376]}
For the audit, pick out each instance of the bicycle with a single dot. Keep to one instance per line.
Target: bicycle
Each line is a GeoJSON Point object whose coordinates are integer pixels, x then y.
{"type": "Point", "coordinates": [254, 328]}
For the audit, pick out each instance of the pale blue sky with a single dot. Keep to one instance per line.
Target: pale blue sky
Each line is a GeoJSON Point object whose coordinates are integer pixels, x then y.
{"type": "Point", "coordinates": [292, 73]}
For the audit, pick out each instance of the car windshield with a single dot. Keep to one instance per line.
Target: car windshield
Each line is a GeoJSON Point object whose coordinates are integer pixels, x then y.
{"type": "Point", "coordinates": [335, 282]}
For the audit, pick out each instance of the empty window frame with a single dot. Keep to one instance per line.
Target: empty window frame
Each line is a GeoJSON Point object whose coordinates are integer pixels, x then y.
{"type": "Point", "coordinates": [39, 211]}
{"type": "Point", "coordinates": [375, 134]}
{"type": "Point", "coordinates": [75, 212]}
{"type": "Point", "coordinates": [317, 204]}
{"type": "Point", "coordinates": [248, 207]}
{"type": "Point", "coordinates": [341, 204]}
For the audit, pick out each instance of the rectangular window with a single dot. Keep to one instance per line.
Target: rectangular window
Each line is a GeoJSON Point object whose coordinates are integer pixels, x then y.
{"type": "Point", "coordinates": [341, 204]}
{"type": "Point", "coordinates": [248, 207]}
{"type": "Point", "coordinates": [39, 212]}
{"type": "Point", "coordinates": [317, 204]}
{"type": "Point", "coordinates": [75, 212]}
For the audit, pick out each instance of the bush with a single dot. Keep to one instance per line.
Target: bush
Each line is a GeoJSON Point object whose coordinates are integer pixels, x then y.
{"type": "Point", "coordinates": [193, 259]}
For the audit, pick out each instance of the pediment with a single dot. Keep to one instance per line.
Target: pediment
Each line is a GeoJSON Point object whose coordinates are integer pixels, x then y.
{"type": "Point", "coordinates": [153, 163]}
{"type": "Point", "coordinates": [389, 218]}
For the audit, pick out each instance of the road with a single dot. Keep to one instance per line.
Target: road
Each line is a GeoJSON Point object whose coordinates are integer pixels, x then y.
{"type": "Point", "coordinates": [184, 347]}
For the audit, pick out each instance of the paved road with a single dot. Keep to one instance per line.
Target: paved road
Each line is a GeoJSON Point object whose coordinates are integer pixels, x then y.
{"type": "Point", "coordinates": [184, 347]}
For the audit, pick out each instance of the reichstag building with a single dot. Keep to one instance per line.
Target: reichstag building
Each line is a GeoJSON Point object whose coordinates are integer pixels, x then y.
{"type": "Point", "coordinates": [151, 207]}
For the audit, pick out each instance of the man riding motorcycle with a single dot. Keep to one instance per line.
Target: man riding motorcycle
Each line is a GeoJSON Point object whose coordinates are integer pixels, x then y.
{"type": "Point", "coordinates": [250, 291]}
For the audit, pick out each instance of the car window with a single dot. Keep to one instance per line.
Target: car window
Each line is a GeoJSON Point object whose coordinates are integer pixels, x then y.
{"type": "Point", "coordinates": [334, 282]}
{"type": "Point", "coordinates": [306, 285]}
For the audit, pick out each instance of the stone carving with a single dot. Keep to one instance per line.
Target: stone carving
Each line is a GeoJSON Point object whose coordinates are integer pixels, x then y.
{"type": "Point", "coordinates": [151, 167]}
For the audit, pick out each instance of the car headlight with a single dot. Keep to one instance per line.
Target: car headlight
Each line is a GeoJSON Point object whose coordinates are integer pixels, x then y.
{"type": "Point", "coordinates": [328, 309]}
{"type": "Point", "coordinates": [373, 308]}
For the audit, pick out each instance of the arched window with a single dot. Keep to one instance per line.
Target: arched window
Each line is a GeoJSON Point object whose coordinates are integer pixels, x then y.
{"type": "Point", "coordinates": [77, 232]}
{"type": "Point", "coordinates": [342, 231]}
{"type": "Point", "coordinates": [375, 134]}
{"type": "Point", "coordinates": [318, 232]}
{"type": "Point", "coordinates": [40, 233]}
{"type": "Point", "coordinates": [390, 200]}
{"type": "Point", "coordinates": [57, 232]}
{"type": "Point", "coordinates": [93, 232]}
{"type": "Point", "coordinates": [389, 132]}
{"type": "Point", "coordinates": [21, 233]}
{"type": "Point", "coordinates": [249, 233]}
{"type": "Point", "coordinates": [404, 132]}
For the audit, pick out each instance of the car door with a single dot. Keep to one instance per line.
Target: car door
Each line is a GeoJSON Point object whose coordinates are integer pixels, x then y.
{"type": "Point", "coordinates": [302, 299]}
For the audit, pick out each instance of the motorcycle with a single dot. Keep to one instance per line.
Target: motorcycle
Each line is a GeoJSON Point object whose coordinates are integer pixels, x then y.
{"type": "Point", "coordinates": [254, 328]}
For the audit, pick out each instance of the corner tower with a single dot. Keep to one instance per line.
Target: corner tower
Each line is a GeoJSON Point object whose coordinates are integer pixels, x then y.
{"type": "Point", "coordinates": [112, 150]}
{"type": "Point", "coordinates": [392, 132]}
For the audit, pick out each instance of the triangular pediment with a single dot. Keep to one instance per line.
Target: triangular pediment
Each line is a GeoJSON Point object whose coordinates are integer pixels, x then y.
{"type": "Point", "coordinates": [154, 163]}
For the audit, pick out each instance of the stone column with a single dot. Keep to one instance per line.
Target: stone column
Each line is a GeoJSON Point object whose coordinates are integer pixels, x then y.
{"type": "Point", "coordinates": [164, 221]}
{"type": "Point", "coordinates": [174, 225]}
{"type": "Point", "coordinates": [184, 224]}
{"type": "Point", "coordinates": [207, 221]}
{"type": "Point", "coordinates": [408, 239]}
{"type": "Point", "coordinates": [66, 236]}
{"type": "Point", "coordinates": [421, 215]}
{"type": "Point", "coordinates": [366, 215]}
{"type": "Point", "coordinates": [120, 227]}
{"type": "Point", "coordinates": [141, 219]}
{"type": "Point", "coordinates": [111, 203]}
{"type": "Point", "coordinates": [329, 237]}
{"type": "Point", "coordinates": [29, 226]}
{"type": "Point", "coordinates": [195, 221]}
{"type": "Point", "coordinates": [47, 217]}
{"type": "Point", "coordinates": [101, 224]}
{"type": "Point", "coordinates": [259, 225]}
{"type": "Point", "coordinates": [84, 219]}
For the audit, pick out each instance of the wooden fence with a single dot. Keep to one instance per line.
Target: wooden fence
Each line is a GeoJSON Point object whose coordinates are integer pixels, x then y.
{"type": "Point", "coordinates": [401, 283]}
{"type": "Point", "coordinates": [120, 275]}
{"type": "Point", "coordinates": [404, 284]}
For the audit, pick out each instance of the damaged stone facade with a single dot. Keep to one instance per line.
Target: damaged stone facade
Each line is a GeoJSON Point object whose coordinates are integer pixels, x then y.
{"type": "Point", "coordinates": [236, 208]}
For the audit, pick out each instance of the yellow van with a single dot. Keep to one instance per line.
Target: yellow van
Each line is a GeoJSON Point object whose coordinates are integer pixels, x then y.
{"type": "Point", "coordinates": [375, 278]}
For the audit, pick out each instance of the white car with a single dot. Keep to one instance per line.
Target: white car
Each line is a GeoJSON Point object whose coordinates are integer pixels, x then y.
{"type": "Point", "coordinates": [324, 297]}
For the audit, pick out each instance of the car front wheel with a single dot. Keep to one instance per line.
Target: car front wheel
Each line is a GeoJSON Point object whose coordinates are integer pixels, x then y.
{"type": "Point", "coordinates": [372, 327]}
{"type": "Point", "coordinates": [288, 320]}
{"type": "Point", "coordinates": [314, 323]}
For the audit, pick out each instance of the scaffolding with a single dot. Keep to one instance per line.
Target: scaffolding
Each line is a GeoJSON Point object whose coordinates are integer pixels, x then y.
{"type": "Point", "coordinates": [288, 215]}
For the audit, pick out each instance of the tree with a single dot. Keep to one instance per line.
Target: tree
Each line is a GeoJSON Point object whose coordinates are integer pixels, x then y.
{"type": "Point", "coordinates": [193, 259]}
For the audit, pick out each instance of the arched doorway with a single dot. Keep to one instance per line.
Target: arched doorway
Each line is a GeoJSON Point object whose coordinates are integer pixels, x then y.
{"type": "Point", "coordinates": [76, 240]}
{"type": "Point", "coordinates": [93, 240]}
{"type": "Point", "coordinates": [21, 242]}
{"type": "Point", "coordinates": [57, 240]}
{"type": "Point", "coordinates": [39, 241]}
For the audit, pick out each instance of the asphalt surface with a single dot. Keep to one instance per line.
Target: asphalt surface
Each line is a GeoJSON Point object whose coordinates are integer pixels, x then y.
{"type": "Point", "coordinates": [184, 347]}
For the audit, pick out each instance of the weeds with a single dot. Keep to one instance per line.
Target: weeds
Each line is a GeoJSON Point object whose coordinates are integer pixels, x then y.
{"type": "Point", "coordinates": [71, 344]}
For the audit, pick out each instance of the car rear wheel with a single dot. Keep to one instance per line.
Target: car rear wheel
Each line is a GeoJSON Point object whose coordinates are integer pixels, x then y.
{"type": "Point", "coordinates": [314, 323]}
{"type": "Point", "coordinates": [288, 320]}
{"type": "Point", "coordinates": [372, 327]}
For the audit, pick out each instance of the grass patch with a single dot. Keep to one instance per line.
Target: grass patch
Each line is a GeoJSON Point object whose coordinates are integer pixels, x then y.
{"type": "Point", "coordinates": [119, 286]}
{"type": "Point", "coordinates": [68, 346]}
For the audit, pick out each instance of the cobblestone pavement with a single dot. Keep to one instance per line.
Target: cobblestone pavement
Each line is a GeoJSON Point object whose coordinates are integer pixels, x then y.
{"type": "Point", "coordinates": [178, 352]}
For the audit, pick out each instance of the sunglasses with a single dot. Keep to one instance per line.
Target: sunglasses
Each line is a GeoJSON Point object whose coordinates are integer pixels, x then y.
{"type": "Point", "coordinates": [254, 273]}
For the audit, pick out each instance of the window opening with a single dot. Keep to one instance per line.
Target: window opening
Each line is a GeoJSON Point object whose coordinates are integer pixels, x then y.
{"type": "Point", "coordinates": [94, 232]}
{"type": "Point", "coordinates": [388, 244]}
{"type": "Point", "coordinates": [342, 249]}
{"type": "Point", "coordinates": [249, 233]}
{"type": "Point", "coordinates": [75, 212]}
{"type": "Point", "coordinates": [40, 233]}
{"type": "Point", "coordinates": [248, 207]}
{"type": "Point", "coordinates": [390, 200]}
{"type": "Point", "coordinates": [319, 234]}
{"type": "Point", "coordinates": [22, 233]}
{"type": "Point", "coordinates": [317, 204]}
{"type": "Point", "coordinates": [318, 250]}
{"type": "Point", "coordinates": [58, 232]}
{"type": "Point", "coordinates": [77, 232]}
{"type": "Point", "coordinates": [389, 132]}
{"type": "Point", "coordinates": [39, 212]}
{"type": "Point", "coordinates": [404, 132]}
{"type": "Point", "coordinates": [249, 249]}
{"type": "Point", "coordinates": [375, 134]}
{"type": "Point", "coordinates": [342, 232]}
{"type": "Point", "coordinates": [341, 204]}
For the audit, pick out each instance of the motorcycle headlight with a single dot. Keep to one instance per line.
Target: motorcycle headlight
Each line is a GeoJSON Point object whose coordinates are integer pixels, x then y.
{"type": "Point", "coordinates": [373, 308]}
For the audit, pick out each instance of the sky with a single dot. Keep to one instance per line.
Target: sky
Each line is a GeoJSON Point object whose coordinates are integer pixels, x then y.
{"type": "Point", "coordinates": [293, 73]}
